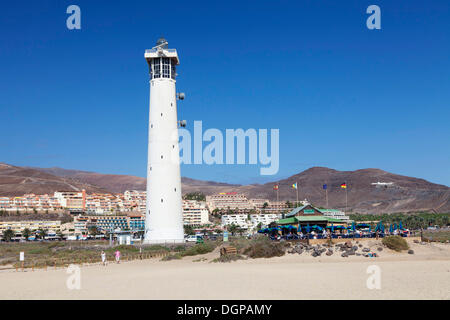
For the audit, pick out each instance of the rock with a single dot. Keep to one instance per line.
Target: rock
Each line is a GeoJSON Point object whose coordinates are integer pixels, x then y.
{"type": "Point", "coordinates": [329, 252]}
{"type": "Point", "coordinates": [300, 251]}
{"type": "Point", "coordinates": [360, 245]}
{"type": "Point", "coordinates": [354, 248]}
{"type": "Point", "coordinates": [345, 255]}
{"type": "Point", "coordinates": [366, 250]}
{"type": "Point", "coordinates": [358, 254]}
{"type": "Point", "coordinates": [348, 244]}
{"type": "Point", "coordinates": [410, 251]}
{"type": "Point", "coordinates": [351, 253]}
{"type": "Point", "coordinates": [380, 249]}
{"type": "Point", "coordinates": [416, 241]}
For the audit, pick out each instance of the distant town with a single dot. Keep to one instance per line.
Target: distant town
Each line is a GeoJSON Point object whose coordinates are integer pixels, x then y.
{"type": "Point", "coordinates": [99, 214]}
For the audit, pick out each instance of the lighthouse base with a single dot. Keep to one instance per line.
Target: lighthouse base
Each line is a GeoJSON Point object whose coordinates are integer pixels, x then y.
{"type": "Point", "coordinates": [161, 236]}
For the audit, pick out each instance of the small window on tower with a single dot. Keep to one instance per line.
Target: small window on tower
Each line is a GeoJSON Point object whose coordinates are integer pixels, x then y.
{"type": "Point", "coordinates": [156, 68]}
{"type": "Point", "coordinates": [166, 67]}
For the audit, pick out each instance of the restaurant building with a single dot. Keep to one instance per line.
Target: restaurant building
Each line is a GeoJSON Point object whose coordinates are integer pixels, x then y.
{"type": "Point", "coordinates": [309, 215]}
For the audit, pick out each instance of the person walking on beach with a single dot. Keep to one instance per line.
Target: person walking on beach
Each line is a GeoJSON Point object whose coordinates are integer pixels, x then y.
{"type": "Point", "coordinates": [103, 258]}
{"type": "Point", "coordinates": [117, 255]}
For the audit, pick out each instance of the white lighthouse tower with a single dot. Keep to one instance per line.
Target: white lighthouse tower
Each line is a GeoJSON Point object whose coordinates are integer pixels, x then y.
{"type": "Point", "coordinates": [164, 215]}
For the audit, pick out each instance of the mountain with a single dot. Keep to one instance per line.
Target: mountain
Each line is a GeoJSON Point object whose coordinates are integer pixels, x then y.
{"type": "Point", "coordinates": [111, 182]}
{"type": "Point", "coordinates": [16, 181]}
{"type": "Point", "coordinates": [407, 194]}
{"type": "Point", "coordinates": [119, 183]}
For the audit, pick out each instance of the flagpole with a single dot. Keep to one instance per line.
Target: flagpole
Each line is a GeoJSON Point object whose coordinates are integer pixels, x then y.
{"type": "Point", "coordinates": [326, 196]}
{"type": "Point", "coordinates": [346, 198]}
{"type": "Point", "coordinates": [296, 184]}
{"type": "Point", "coordinates": [278, 187]}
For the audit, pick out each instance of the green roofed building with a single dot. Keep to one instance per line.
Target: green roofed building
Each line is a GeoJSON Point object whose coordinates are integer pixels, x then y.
{"type": "Point", "coordinates": [309, 215]}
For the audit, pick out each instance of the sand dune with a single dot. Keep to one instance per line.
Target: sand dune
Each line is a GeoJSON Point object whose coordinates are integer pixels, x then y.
{"type": "Point", "coordinates": [424, 275]}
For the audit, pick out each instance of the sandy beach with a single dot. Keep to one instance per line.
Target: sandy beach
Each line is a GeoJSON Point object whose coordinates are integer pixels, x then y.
{"type": "Point", "coordinates": [423, 275]}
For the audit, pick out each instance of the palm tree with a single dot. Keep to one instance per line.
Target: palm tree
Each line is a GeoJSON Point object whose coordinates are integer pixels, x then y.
{"type": "Point", "coordinates": [233, 228]}
{"type": "Point", "coordinates": [60, 235]}
{"type": "Point", "coordinates": [26, 233]}
{"type": "Point", "coordinates": [42, 233]}
{"type": "Point", "coordinates": [265, 205]}
{"type": "Point", "coordinates": [93, 230]}
{"type": "Point", "coordinates": [189, 230]}
{"type": "Point", "coordinates": [8, 234]}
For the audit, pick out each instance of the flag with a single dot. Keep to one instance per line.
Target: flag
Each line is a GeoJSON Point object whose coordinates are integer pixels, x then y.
{"type": "Point", "coordinates": [275, 187]}
{"type": "Point", "coordinates": [324, 187]}
{"type": "Point", "coordinates": [344, 186]}
{"type": "Point", "coordinates": [294, 185]}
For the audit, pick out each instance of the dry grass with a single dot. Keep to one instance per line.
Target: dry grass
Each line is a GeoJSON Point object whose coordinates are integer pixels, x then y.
{"type": "Point", "coordinates": [396, 243]}
{"type": "Point", "coordinates": [263, 247]}
{"type": "Point", "coordinates": [441, 235]}
{"type": "Point", "coordinates": [229, 258]}
{"type": "Point", "coordinates": [50, 254]}
{"type": "Point", "coordinates": [197, 249]}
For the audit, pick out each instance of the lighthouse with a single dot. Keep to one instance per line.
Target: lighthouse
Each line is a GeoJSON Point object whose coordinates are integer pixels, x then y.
{"type": "Point", "coordinates": [164, 215]}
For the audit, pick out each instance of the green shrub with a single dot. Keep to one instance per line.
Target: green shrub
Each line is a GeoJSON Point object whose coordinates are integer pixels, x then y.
{"type": "Point", "coordinates": [396, 243]}
{"type": "Point", "coordinates": [264, 248]}
{"type": "Point", "coordinates": [39, 250]}
{"type": "Point", "coordinates": [171, 257]}
{"type": "Point", "coordinates": [124, 249]}
{"type": "Point", "coordinates": [179, 248]}
{"type": "Point", "coordinates": [155, 247]}
{"type": "Point", "coordinates": [201, 248]}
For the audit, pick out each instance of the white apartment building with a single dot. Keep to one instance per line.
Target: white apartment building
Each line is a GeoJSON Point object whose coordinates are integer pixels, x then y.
{"type": "Point", "coordinates": [71, 199]}
{"type": "Point", "coordinates": [264, 219]}
{"type": "Point", "coordinates": [19, 226]}
{"type": "Point", "coordinates": [195, 213]}
{"type": "Point", "coordinates": [135, 200]}
{"type": "Point", "coordinates": [4, 203]}
{"type": "Point", "coordinates": [240, 220]}
{"type": "Point", "coordinates": [251, 221]}
{"type": "Point", "coordinates": [334, 213]}
{"type": "Point", "coordinates": [238, 203]}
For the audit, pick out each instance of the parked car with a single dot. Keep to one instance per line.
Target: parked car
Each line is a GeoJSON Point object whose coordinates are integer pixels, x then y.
{"type": "Point", "coordinates": [191, 238]}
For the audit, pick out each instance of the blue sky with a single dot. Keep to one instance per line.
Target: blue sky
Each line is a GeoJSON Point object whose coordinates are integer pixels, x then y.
{"type": "Point", "coordinates": [342, 96]}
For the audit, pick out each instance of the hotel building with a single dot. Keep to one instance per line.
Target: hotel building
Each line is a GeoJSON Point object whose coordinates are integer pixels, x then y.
{"type": "Point", "coordinates": [195, 213]}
